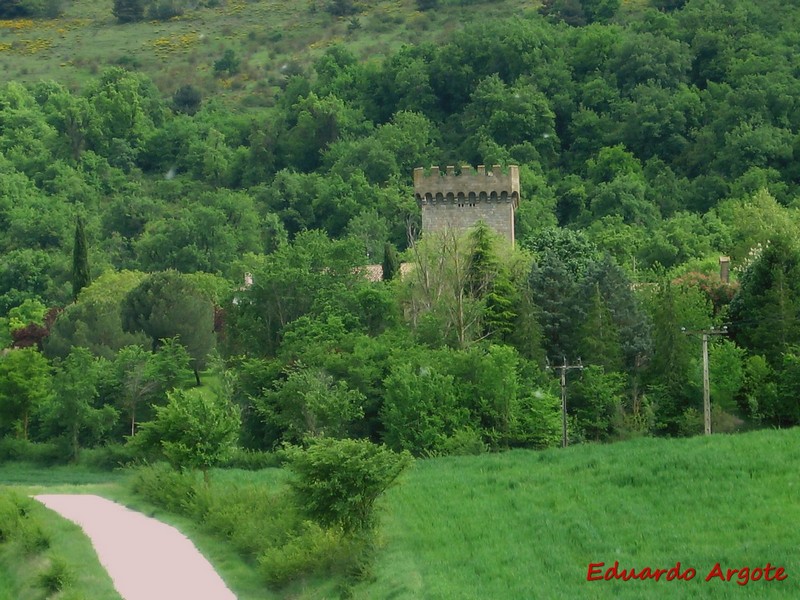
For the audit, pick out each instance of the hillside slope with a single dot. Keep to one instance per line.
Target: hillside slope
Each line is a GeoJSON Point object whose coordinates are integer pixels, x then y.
{"type": "Point", "coordinates": [527, 525]}
{"type": "Point", "coordinates": [270, 38]}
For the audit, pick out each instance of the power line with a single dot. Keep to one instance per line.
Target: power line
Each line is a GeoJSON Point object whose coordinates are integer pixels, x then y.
{"type": "Point", "coordinates": [706, 384]}
{"type": "Point", "coordinates": [564, 368]}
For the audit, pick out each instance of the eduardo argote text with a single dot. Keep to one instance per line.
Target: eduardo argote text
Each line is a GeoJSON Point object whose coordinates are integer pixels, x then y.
{"type": "Point", "coordinates": [742, 575]}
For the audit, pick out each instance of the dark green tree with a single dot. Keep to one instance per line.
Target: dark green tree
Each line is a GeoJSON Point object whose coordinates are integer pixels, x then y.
{"type": "Point", "coordinates": [72, 415]}
{"type": "Point", "coordinates": [554, 292]}
{"type": "Point", "coordinates": [599, 335]}
{"type": "Point", "coordinates": [129, 11]}
{"type": "Point", "coordinates": [765, 312]}
{"type": "Point", "coordinates": [186, 99]}
{"type": "Point", "coordinates": [166, 305]}
{"type": "Point", "coordinates": [391, 262]}
{"type": "Point", "coordinates": [80, 260]}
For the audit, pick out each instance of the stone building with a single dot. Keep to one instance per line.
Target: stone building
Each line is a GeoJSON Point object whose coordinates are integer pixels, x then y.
{"type": "Point", "coordinates": [450, 201]}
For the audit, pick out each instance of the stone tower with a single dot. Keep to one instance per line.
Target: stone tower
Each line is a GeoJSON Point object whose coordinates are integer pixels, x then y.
{"type": "Point", "coordinates": [450, 201]}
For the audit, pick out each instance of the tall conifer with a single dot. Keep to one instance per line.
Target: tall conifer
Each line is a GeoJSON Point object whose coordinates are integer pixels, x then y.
{"type": "Point", "coordinates": [80, 260]}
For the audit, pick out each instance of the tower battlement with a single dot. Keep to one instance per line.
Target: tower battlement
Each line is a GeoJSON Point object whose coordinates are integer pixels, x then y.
{"type": "Point", "coordinates": [429, 184]}
{"type": "Point", "coordinates": [458, 201]}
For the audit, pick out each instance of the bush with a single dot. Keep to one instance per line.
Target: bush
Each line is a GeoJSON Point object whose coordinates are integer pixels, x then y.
{"type": "Point", "coordinates": [165, 487]}
{"type": "Point", "coordinates": [252, 518]}
{"type": "Point", "coordinates": [129, 11]}
{"type": "Point", "coordinates": [251, 460]}
{"type": "Point", "coordinates": [338, 481]}
{"type": "Point", "coordinates": [112, 456]}
{"type": "Point", "coordinates": [464, 442]}
{"type": "Point", "coordinates": [228, 63]}
{"type": "Point", "coordinates": [186, 99]}
{"type": "Point", "coordinates": [341, 8]}
{"type": "Point", "coordinates": [314, 550]}
{"type": "Point", "coordinates": [162, 10]}
{"type": "Point", "coordinates": [40, 453]}
{"type": "Point", "coordinates": [56, 577]}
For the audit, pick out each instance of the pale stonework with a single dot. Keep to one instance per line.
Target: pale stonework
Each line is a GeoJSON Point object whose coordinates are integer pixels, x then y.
{"type": "Point", "coordinates": [451, 201]}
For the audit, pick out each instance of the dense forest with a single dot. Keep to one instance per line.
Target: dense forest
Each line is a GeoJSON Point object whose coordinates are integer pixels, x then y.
{"type": "Point", "coordinates": [648, 146]}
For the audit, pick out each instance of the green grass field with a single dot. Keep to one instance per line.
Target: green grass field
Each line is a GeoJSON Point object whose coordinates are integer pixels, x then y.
{"type": "Point", "coordinates": [527, 524]}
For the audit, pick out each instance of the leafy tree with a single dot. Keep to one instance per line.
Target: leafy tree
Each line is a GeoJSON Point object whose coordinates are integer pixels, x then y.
{"type": "Point", "coordinates": [596, 400]}
{"type": "Point", "coordinates": [759, 393]}
{"type": "Point", "coordinates": [142, 379]}
{"type": "Point", "coordinates": [166, 305]}
{"type": "Point", "coordinates": [128, 108]}
{"type": "Point", "coordinates": [787, 407]}
{"type": "Point", "coordinates": [338, 482]}
{"type": "Point", "coordinates": [80, 260]}
{"type": "Point", "coordinates": [606, 278]}
{"type": "Point", "coordinates": [25, 384]}
{"type": "Point", "coordinates": [94, 321]}
{"type": "Point", "coordinates": [309, 403]}
{"type": "Point", "coordinates": [71, 414]}
{"type": "Point", "coordinates": [421, 409]}
{"type": "Point", "coordinates": [675, 355]}
{"type": "Point", "coordinates": [161, 10]}
{"type": "Point", "coordinates": [195, 430]}
{"type": "Point", "coordinates": [764, 313]}
{"type": "Point", "coordinates": [309, 276]}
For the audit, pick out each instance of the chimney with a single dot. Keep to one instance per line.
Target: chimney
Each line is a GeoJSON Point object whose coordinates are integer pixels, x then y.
{"type": "Point", "coordinates": [724, 269]}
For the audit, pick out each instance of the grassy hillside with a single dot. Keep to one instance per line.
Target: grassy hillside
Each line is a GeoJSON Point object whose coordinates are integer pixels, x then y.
{"type": "Point", "coordinates": [272, 38]}
{"type": "Point", "coordinates": [527, 524]}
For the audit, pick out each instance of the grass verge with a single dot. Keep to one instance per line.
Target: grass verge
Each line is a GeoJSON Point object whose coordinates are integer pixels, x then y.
{"type": "Point", "coordinates": [45, 556]}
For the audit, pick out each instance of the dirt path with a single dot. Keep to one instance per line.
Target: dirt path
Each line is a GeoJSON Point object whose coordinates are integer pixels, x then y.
{"type": "Point", "coordinates": [146, 559]}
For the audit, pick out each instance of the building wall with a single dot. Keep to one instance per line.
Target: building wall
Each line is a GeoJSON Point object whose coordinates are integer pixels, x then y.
{"type": "Point", "coordinates": [450, 201]}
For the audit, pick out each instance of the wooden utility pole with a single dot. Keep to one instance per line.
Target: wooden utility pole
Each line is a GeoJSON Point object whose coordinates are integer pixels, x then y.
{"type": "Point", "coordinates": [706, 382]}
{"type": "Point", "coordinates": [564, 368]}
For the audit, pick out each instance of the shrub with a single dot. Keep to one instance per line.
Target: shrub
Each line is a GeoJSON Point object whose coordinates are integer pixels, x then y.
{"type": "Point", "coordinates": [56, 577]}
{"type": "Point", "coordinates": [40, 453]}
{"type": "Point", "coordinates": [341, 8]}
{"type": "Point", "coordinates": [251, 460]}
{"type": "Point", "coordinates": [228, 63]}
{"type": "Point", "coordinates": [338, 481]}
{"type": "Point", "coordinates": [129, 11]}
{"type": "Point", "coordinates": [464, 442]}
{"type": "Point", "coordinates": [252, 518]}
{"type": "Point", "coordinates": [314, 550]}
{"type": "Point", "coordinates": [165, 487]}
{"type": "Point", "coordinates": [109, 457]}
{"type": "Point", "coordinates": [186, 99]}
{"type": "Point", "coordinates": [162, 10]}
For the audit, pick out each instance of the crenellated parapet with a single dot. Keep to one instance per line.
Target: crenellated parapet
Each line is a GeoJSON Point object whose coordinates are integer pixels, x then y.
{"type": "Point", "coordinates": [458, 201]}
{"type": "Point", "coordinates": [471, 186]}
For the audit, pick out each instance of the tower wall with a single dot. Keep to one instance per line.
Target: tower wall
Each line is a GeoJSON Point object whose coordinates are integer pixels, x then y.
{"type": "Point", "coordinates": [450, 201]}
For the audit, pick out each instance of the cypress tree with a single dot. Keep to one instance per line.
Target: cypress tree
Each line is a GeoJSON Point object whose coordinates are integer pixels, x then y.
{"type": "Point", "coordinates": [80, 260]}
{"type": "Point", "coordinates": [391, 263]}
